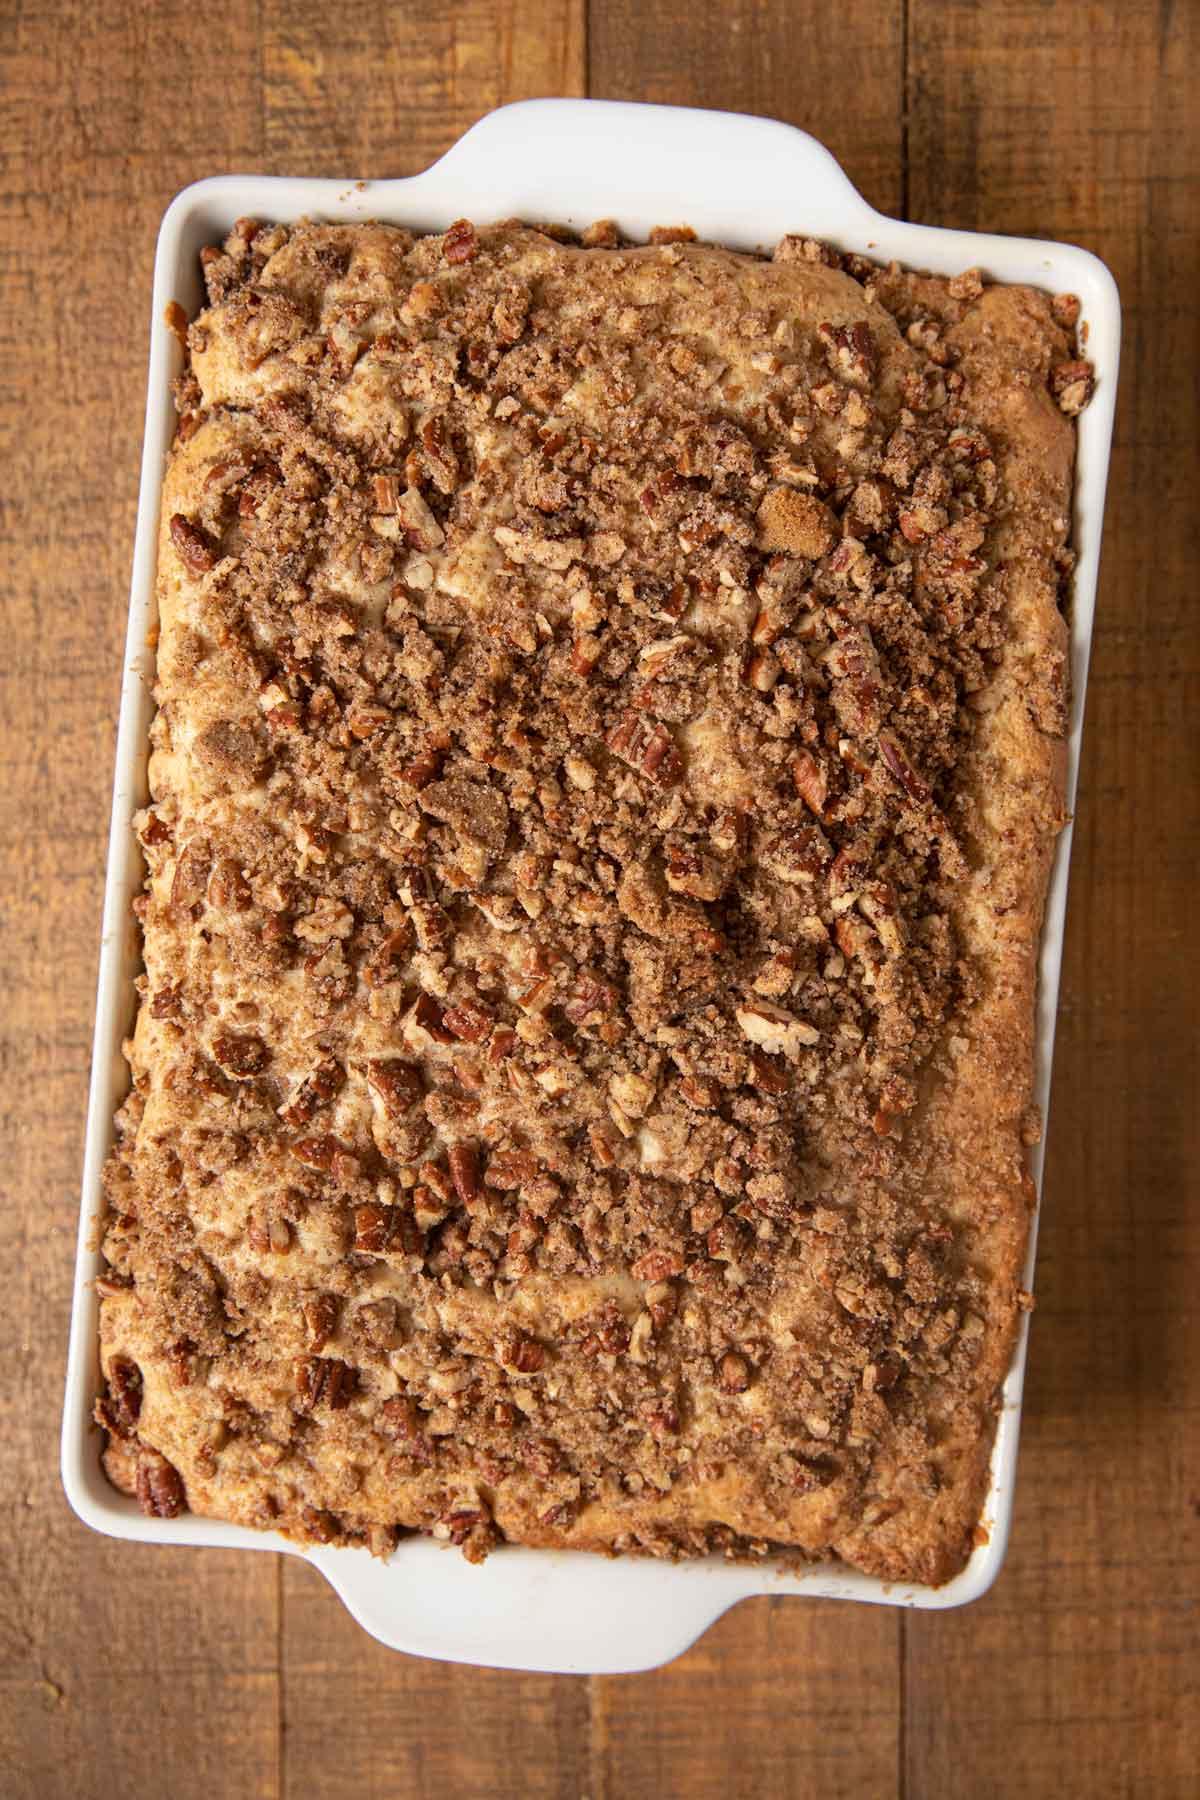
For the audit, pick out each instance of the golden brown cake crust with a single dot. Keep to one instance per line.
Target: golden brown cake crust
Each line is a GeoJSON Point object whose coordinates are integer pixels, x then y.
{"type": "Point", "coordinates": [608, 760]}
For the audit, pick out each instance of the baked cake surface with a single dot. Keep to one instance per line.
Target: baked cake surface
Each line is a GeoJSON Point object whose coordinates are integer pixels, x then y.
{"type": "Point", "coordinates": [609, 754]}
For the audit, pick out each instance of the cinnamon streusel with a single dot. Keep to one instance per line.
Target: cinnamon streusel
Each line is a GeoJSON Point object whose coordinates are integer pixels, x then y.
{"type": "Point", "coordinates": [609, 754]}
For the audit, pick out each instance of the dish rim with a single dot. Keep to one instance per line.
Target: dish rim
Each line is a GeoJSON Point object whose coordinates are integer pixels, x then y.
{"type": "Point", "coordinates": [583, 1620]}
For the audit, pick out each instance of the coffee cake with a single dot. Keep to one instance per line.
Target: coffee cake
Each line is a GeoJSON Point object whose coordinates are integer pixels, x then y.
{"type": "Point", "coordinates": [609, 753]}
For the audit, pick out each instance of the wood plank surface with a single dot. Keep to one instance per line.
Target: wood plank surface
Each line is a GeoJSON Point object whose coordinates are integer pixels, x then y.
{"type": "Point", "coordinates": [113, 1655]}
{"type": "Point", "coordinates": [1081, 1666]}
{"type": "Point", "coordinates": [126, 1671]}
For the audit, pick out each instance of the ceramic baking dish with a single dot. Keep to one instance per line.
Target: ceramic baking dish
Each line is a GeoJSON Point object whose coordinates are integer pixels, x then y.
{"type": "Point", "coordinates": [738, 181]}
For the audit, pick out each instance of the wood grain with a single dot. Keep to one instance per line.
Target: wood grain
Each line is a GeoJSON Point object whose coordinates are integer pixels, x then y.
{"type": "Point", "coordinates": [1081, 1666]}
{"type": "Point", "coordinates": [835, 70]}
{"type": "Point", "coordinates": [99, 1639]}
{"type": "Point", "coordinates": [126, 1671]}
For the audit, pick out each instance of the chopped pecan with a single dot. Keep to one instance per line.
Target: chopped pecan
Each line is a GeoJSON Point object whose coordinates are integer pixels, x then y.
{"type": "Point", "coordinates": [647, 747]}
{"type": "Point", "coordinates": [395, 1083]}
{"type": "Point", "coordinates": [798, 855]}
{"type": "Point", "coordinates": [521, 1353]}
{"type": "Point", "coordinates": [851, 351]}
{"type": "Point", "coordinates": [429, 1016]}
{"type": "Point", "coordinates": [380, 1324]}
{"type": "Point", "coordinates": [663, 1421]}
{"type": "Point", "coordinates": [470, 1023]}
{"type": "Point", "coordinates": [258, 484]}
{"type": "Point", "coordinates": [420, 528]}
{"type": "Point", "coordinates": [191, 874]}
{"type": "Point", "coordinates": [240, 1055]}
{"type": "Point", "coordinates": [657, 1265]}
{"type": "Point", "coordinates": [1072, 384]}
{"type": "Point", "coordinates": [384, 964]}
{"type": "Point", "coordinates": [124, 1395]}
{"type": "Point", "coordinates": [166, 1002]}
{"type": "Point", "coordinates": [440, 457]}
{"type": "Point", "coordinates": [320, 1152]}
{"type": "Point", "coordinates": [269, 1233]}
{"type": "Point", "coordinates": [733, 1372]}
{"type": "Point", "coordinates": [775, 1030]}
{"type": "Point", "coordinates": [460, 244]}
{"type": "Point", "coordinates": [464, 1172]}
{"type": "Point", "coordinates": [160, 1490]}
{"type": "Point", "coordinates": [227, 886]}
{"type": "Point", "coordinates": [324, 1381]}
{"type": "Point", "coordinates": [590, 1000]}
{"type": "Point", "coordinates": [321, 1318]}
{"type": "Point", "coordinates": [897, 762]}
{"type": "Point", "coordinates": [385, 490]}
{"type": "Point", "coordinates": [701, 1092]}
{"type": "Point", "coordinates": [768, 1075]}
{"type": "Point", "coordinates": [195, 549]}
{"type": "Point", "coordinates": [510, 1169]}
{"type": "Point", "coordinates": [154, 830]}
{"type": "Point", "coordinates": [315, 1091]}
{"type": "Point", "coordinates": [386, 1231]}
{"type": "Point", "coordinates": [812, 781]}
{"type": "Point", "coordinates": [1065, 308]}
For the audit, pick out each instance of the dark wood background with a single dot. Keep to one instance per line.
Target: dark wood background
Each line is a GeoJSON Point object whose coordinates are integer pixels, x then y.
{"type": "Point", "coordinates": [129, 1671]}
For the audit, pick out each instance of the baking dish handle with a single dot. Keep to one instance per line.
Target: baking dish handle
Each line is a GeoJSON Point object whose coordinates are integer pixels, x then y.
{"type": "Point", "coordinates": [564, 160]}
{"type": "Point", "coordinates": [561, 1612]}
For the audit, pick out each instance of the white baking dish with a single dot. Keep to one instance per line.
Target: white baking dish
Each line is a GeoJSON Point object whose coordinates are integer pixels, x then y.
{"type": "Point", "coordinates": [738, 181]}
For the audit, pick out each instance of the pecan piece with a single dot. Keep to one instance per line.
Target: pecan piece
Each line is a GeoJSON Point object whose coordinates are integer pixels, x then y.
{"type": "Point", "coordinates": [733, 1373]}
{"type": "Point", "coordinates": [386, 1231]}
{"type": "Point", "coordinates": [402, 1418]}
{"type": "Point", "coordinates": [590, 1000]}
{"type": "Point", "coordinates": [191, 874]}
{"type": "Point", "coordinates": [160, 1491]}
{"type": "Point", "coordinates": [383, 966]}
{"type": "Point", "coordinates": [657, 1265]}
{"type": "Point", "coordinates": [898, 764]}
{"type": "Point", "coordinates": [321, 1318]}
{"type": "Point", "coordinates": [701, 1092]}
{"type": "Point", "coordinates": [460, 244]}
{"type": "Point", "coordinates": [195, 549]}
{"type": "Point", "coordinates": [768, 1075]}
{"type": "Point", "coordinates": [396, 1084]}
{"type": "Point", "coordinates": [524, 1354]}
{"type": "Point", "coordinates": [811, 780]}
{"type": "Point", "coordinates": [227, 886]}
{"type": "Point", "coordinates": [851, 351]}
{"type": "Point", "coordinates": [240, 1055]}
{"type": "Point", "coordinates": [510, 1169]}
{"type": "Point", "coordinates": [124, 1401]}
{"type": "Point", "coordinates": [421, 530]}
{"type": "Point", "coordinates": [773, 1029]}
{"type": "Point", "coordinates": [323, 1381]}
{"type": "Point", "coordinates": [315, 1091]}
{"type": "Point", "coordinates": [256, 488]}
{"type": "Point", "coordinates": [464, 1172]}
{"type": "Point", "coordinates": [320, 1152]}
{"type": "Point", "coordinates": [1072, 384]}
{"type": "Point", "coordinates": [470, 1023]}
{"type": "Point", "coordinates": [379, 1323]}
{"type": "Point", "coordinates": [647, 747]}
{"type": "Point", "coordinates": [428, 1015]}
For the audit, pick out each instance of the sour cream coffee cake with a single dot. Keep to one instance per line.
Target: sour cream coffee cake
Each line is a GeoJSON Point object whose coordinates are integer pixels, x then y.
{"type": "Point", "coordinates": [609, 753]}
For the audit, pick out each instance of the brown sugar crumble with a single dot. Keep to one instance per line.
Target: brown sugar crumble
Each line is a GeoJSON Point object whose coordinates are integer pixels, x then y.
{"type": "Point", "coordinates": [609, 751]}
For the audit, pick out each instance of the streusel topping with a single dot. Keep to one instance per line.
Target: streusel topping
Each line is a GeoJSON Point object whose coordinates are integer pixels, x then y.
{"type": "Point", "coordinates": [607, 758]}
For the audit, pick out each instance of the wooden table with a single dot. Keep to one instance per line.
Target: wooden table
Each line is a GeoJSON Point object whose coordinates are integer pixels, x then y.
{"type": "Point", "coordinates": [129, 1671]}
